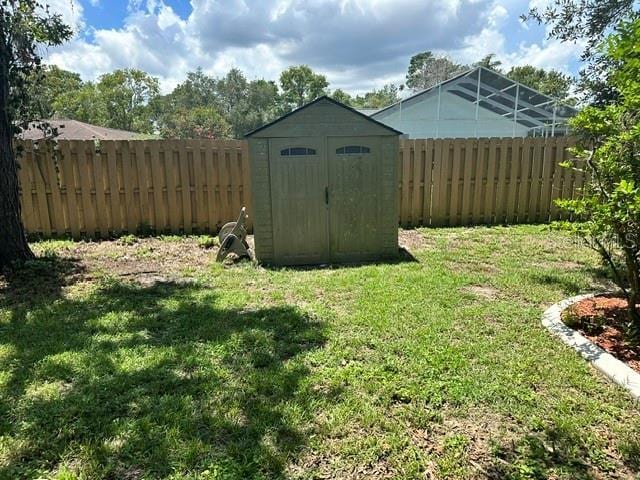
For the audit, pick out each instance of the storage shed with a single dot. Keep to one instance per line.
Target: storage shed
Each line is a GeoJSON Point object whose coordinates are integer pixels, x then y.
{"type": "Point", "coordinates": [324, 187]}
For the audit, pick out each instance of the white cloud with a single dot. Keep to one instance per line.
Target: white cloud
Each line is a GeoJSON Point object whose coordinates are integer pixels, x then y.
{"type": "Point", "coordinates": [358, 44]}
{"type": "Point", "coordinates": [493, 38]}
{"type": "Point", "coordinates": [71, 11]}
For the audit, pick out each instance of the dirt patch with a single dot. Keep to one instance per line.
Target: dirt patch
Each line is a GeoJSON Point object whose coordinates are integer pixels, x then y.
{"type": "Point", "coordinates": [482, 444]}
{"type": "Point", "coordinates": [327, 466]}
{"type": "Point", "coordinates": [463, 444]}
{"type": "Point", "coordinates": [412, 240]}
{"type": "Point", "coordinates": [604, 320]}
{"type": "Point", "coordinates": [489, 293]}
{"type": "Point", "coordinates": [144, 260]}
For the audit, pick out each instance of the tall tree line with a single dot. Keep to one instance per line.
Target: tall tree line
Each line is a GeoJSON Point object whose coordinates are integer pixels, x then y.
{"type": "Point", "coordinates": [203, 106]}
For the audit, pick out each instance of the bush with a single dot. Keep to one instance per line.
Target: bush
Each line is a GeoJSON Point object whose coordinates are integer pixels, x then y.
{"type": "Point", "coordinates": [609, 208]}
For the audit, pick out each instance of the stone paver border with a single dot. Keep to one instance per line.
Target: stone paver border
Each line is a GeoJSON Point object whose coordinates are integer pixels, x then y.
{"type": "Point", "coordinates": [616, 370]}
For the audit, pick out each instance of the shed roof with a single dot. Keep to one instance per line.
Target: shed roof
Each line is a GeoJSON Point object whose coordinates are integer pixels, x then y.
{"type": "Point", "coordinates": [76, 130]}
{"type": "Point", "coordinates": [325, 98]}
{"type": "Point", "coordinates": [499, 94]}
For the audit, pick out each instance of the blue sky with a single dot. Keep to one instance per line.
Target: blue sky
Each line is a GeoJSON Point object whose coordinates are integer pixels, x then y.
{"type": "Point", "coordinates": [357, 44]}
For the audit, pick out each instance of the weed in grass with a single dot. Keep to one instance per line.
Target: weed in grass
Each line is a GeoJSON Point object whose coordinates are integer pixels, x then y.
{"type": "Point", "coordinates": [128, 239]}
{"type": "Point", "coordinates": [171, 238]}
{"type": "Point", "coordinates": [52, 247]}
{"type": "Point", "coordinates": [144, 251]}
{"type": "Point", "coordinates": [453, 462]}
{"type": "Point", "coordinates": [207, 241]}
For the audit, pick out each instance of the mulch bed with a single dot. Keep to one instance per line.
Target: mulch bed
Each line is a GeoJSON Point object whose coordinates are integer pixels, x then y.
{"type": "Point", "coordinates": [603, 320]}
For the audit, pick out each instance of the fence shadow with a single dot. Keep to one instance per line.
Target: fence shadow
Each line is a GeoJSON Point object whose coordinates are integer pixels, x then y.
{"type": "Point", "coordinates": [131, 381]}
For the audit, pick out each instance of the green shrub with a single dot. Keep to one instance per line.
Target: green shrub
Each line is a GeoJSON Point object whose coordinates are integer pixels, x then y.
{"type": "Point", "coordinates": [609, 208]}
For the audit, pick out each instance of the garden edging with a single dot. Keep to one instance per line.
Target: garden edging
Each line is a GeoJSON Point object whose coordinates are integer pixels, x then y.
{"type": "Point", "coordinates": [616, 370]}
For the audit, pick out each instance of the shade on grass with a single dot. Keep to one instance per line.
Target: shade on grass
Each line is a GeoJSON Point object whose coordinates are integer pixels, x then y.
{"type": "Point", "coordinates": [435, 367]}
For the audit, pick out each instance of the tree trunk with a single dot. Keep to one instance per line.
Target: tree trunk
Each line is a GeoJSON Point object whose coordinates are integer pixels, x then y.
{"type": "Point", "coordinates": [634, 293]}
{"type": "Point", "coordinates": [13, 243]}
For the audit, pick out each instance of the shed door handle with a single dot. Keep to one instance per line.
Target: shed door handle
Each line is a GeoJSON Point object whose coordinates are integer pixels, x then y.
{"type": "Point", "coordinates": [326, 195]}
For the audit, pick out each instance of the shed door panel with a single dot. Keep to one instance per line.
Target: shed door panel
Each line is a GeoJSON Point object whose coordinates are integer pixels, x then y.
{"type": "Point", "coordinates": [354, 198]}
{"type": "Point", "coordinates": [298, 172]}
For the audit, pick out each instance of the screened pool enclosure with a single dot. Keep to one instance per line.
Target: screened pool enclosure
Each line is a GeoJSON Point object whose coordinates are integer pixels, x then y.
{"type": "Point", "coordinates": [478, 103]}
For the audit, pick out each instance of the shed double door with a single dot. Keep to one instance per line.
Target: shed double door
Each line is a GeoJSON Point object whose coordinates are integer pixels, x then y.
{"type": "Point", "coordinates": [325, 195]}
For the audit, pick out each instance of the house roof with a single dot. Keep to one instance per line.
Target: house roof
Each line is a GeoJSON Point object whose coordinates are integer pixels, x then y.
{"type": "Point", "coordinates": [331, 100]}
{"type": "Point", "coordinates": [501, 95]}
{"type": "Point", "coordinates": [76, 130]}
{"type": "Point", "coordinates": [368, 111]}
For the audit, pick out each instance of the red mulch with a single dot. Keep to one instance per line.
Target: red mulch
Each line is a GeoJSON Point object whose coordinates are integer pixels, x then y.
{"type": "Point", "coordinates": [603, 320]}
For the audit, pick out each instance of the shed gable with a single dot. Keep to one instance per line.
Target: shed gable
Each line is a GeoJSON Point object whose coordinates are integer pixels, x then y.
{"type": "Point", "coordinates": [323, 116]}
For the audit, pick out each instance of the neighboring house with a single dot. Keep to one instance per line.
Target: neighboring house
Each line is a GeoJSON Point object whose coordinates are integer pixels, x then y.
{"type": "Point", "coordinates": [75, 130]}
{"type": "Point", "coordinates": [477, 103]}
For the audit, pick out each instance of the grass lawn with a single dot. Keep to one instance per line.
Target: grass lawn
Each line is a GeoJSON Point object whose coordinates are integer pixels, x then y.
{"type": "Point", "coordinates": [144, 359]}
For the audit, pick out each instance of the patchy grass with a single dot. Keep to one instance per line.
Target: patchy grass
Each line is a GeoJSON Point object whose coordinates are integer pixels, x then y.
{"type": "Point", "coordinates": [150, 361]}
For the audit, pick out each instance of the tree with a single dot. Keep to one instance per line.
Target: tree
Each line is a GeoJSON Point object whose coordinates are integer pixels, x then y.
{"type": "Point", "coordinates": [609, 209]}
{"type": "Point", "coordinates": [489, 61]}
{"type": "Point", "coordinates": [426, 70]}
{"type": "Point", "coordinates": [590, 20]}
{"type": "Point", "coordinates": [550, 82]}
{"type": "Point", "coordinates": [195, 122]}
{"type": "Point", "coordinates": [383, 97]}
{"type": "Point", "coordinates": [231, 106]}
{"type": "Point", "coordinates": [125, 96]}
{"type": "Point", "coordinates": [342, 96]}
{"type": "Point", "coordinates": [25, 25]}
{"type": "Point", "coordinates": [572, 20]}
{"type": "Point", "coordinates": [231, 99]}
{"type": "Point", "coordinates": [83, 104]}
{"type": "Point", "coordinates": [231, 91]}
{"type": "Point", "coordinates": [199, 89]}
{"type": "Point", "coordinates": [262, 103]}
{"type": "Point", "coordinates": [301, 85]}
{"type": "Point", "coordinates": [44, 90]}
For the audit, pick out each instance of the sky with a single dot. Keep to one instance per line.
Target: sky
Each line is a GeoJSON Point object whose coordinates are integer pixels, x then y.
{"type": "Point", "coordinates": [358, 44]}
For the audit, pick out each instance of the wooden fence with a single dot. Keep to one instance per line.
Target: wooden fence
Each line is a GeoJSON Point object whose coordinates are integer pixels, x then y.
{"type": "Point", "coordinates": [484, 181]}
{"type": "Point", "coordinates": [79, 189]}
{"type": "Point", "coordinates": [132, 186]}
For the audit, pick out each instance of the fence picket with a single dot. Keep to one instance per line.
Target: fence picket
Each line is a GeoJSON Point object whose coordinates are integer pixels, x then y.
{"type": "Point", "coordinates": [454, 216]}
{"type": "Point", "coordinates": [41, 189]}
{"type": "Point", "coordinates": [405, 207]}
{"type": "Point", "coordinates": [467, 193]}
{"type": "Point", "coordinates": [427, 154]}
{"type": "Point", "coordinates": [490, 187]}
{"type": "Point", "coordinates": [556, 185]}
{"type": "Point", "coordinates": [478, 184]}
{"type": "Point", "coordinates": [29, 215]}
{"type": "Point", "coordinates": [417, 176]}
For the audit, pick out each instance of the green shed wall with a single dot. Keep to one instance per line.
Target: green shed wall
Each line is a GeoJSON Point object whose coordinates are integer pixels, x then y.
{"type": "Point", "coordinates": [325, 120]}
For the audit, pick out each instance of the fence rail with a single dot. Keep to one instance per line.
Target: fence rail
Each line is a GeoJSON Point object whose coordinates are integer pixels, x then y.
{"type": "Point", "coordinates": [74, 188]}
